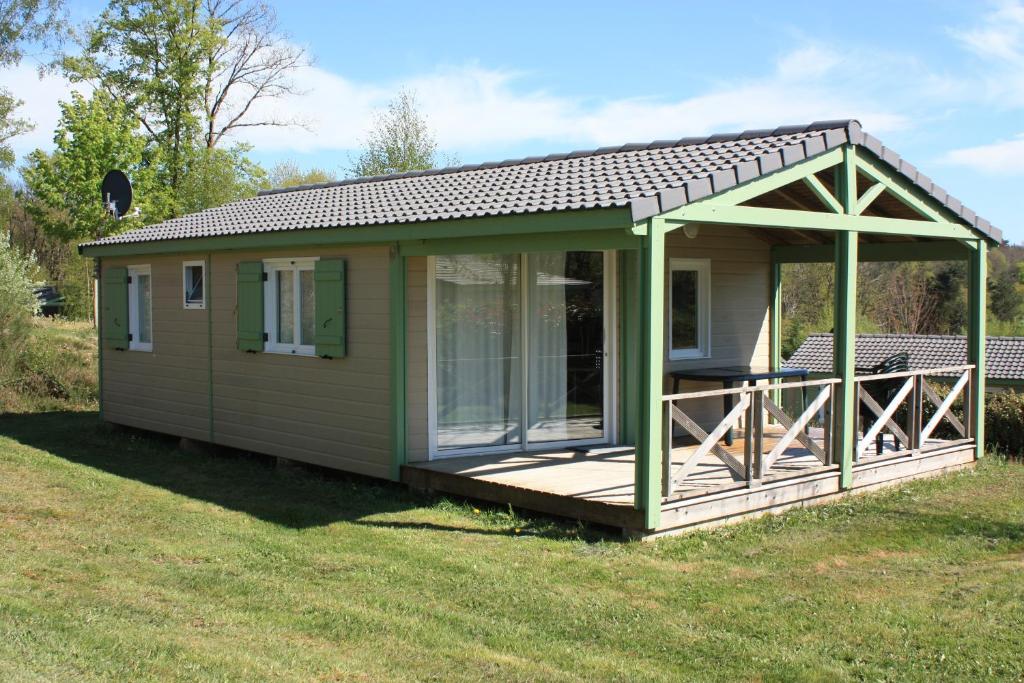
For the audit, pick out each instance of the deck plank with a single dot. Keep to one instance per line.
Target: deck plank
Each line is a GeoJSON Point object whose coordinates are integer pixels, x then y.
{"type": "Point", "coordinates": [599, 487]}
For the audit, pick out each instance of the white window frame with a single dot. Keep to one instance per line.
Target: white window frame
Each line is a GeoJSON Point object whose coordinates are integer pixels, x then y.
{"type": "Point", "coordinates": [184, 285]}
{"type": "Point", "coordinates": [703, 269]}
{"type": "Point", "coordinates": [133, 306]}
{"type": "Point", "coordinates": [270, 269]}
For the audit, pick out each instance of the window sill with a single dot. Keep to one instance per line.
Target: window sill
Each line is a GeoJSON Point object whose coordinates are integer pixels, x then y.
{"type": "Point", "coordinates": [674, 356]}
{"type": "Point", "coordinates": [145, 348]}
{"type": "Point", "coordinates": [288, 352]}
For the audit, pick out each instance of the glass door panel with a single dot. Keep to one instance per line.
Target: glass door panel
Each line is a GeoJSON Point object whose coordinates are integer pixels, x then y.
{"type": "Point", "coordinates": [565, 331]}
{"type": "Point", "coordinates": [478, 358]}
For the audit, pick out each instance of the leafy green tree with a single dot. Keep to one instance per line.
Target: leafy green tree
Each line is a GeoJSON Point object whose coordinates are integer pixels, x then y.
{"type": "Point", "coordinates": [399, 141]}
{"type": "Point", "coordinates": [21, 22]}
{"type": "Point", "coordinates": [10, 126]}
{"type": "Point", "coordinates": [189, 71]}
{"type": "Point", "coordinates": [149, 54]}
{"type": "Point", "coordinates": [288, 174]}
{"type": "Point", "coordinates": [1005, 297]}
{"type": "Point", "coordinates": [28, 21]}
{"type": "Point", "coordinates": [17, 303]}
{"type": "Point", "coordinates": [94, 136]}
{"type": "Point", "coordinates": [217, 176]}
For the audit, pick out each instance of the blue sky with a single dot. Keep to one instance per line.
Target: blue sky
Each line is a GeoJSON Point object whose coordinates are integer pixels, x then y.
{"type": "Point", "coordinates": [941, 82]}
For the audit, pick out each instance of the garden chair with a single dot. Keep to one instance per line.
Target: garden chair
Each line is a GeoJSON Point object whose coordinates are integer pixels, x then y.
{"type": "Point", "coordinates": [882, 391]}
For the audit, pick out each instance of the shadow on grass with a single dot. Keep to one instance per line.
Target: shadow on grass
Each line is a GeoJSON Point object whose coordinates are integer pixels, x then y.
{"type": "Point", "coordinates": [298, 497]}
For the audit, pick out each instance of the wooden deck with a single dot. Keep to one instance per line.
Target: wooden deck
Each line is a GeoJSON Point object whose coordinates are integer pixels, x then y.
{"type": "Point", "coordinates": [599, 487]}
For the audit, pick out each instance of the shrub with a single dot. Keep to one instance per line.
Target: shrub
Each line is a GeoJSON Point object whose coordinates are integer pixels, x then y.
{"type": "Point", "coordinates": [18, 303]}
{"type": "Point", "coordinates": [1004, 422]}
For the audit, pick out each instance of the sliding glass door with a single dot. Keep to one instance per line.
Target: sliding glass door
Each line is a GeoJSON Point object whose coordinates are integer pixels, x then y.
{"type": "Point", "coordinates": [478, 363]}
{"type": "Point", "coordinates": [518, 346]}
{"type": "Point", "coordinates": [565, 333]}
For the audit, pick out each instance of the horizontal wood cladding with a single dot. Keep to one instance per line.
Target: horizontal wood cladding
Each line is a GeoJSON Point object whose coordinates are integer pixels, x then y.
{"type": "Point", "coordinates": [740, 301]}
{"type": "Point", "coordinates": [166, 389]}
{"type": "Point", "coordinates": [327, 412]}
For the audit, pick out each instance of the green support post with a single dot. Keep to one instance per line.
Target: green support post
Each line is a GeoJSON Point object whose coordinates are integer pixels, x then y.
{"type": "Point", "coordinates": [651, 384]}
{"type": "Point", "coordinates": [208, 300]}
{"type": "Point", "coordinates": [775, 321]}
{"type": "Point", "coordinates": [99, 331]}
{"type": "Point", "coordinates": [396, 294]}
{"type": "Point", "coordinates": [977, 292]}
{"type": "Point", "coordinates": [845, 326]}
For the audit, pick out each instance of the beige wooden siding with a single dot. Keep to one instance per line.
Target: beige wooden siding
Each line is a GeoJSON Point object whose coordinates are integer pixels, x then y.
{"type": "Point", "coordinates": [166, 389]}
{"type": "Point", "coordinates": [334, 413]}
{"type": "Point", "coordinates": [740, 303]}
{"type": "Point", "coordinates": [740, 281]}
{"type": "Point", "coordinates": [417, 436]}
{"type": "Point", "coordinates": [328, 412]}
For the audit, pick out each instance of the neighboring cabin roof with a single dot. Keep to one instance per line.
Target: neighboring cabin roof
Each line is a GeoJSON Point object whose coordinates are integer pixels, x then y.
{"type": "Point", "coordinates": [1004, 356]}
{"type": "Point", "coordinates": [647, 178]}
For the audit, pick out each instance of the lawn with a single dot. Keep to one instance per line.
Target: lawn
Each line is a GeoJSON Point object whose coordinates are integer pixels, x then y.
{"type": "Point", "coordinates": [124, 558]}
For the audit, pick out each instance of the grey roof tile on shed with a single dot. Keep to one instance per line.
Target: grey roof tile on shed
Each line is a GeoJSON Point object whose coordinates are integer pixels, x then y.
{"type": "Point", "coordinates": [1004, 356]}
{"type": "Point", "coordinates": [647, 178]}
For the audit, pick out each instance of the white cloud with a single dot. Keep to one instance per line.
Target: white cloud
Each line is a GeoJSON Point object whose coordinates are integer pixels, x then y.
{"type": "Point", "coordinates": [41, 95]}
{"type": "Point", "coordinates": [1000, 36]}
{"type": "Point", "coordinates": [472, 107]}
{"type": "Point", "coordinates": [1005, 156]}
{"type": "Point", "coordinates": [998, 41]}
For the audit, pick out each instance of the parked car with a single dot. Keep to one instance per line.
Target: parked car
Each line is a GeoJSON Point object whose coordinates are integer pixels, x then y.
{"type": "Point", "coordinates": [51, 302]}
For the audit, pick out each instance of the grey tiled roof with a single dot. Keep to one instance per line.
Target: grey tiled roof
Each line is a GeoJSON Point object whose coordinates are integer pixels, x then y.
{"type": "Point", "coordinates": [647, 178]}
{"type": "Point", "coordinates": [1004, 356]}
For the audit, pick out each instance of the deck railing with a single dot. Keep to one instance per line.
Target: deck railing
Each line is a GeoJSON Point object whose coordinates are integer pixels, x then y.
{"type": "Point", "coordinates": [796, 420]}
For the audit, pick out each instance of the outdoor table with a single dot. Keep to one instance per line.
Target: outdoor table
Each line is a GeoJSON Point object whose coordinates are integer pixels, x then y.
{"type": "Point", "coordinates": [733, 375]}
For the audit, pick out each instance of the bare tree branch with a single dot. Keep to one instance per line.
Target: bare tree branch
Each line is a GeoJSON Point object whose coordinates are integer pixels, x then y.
{"type": "Point", "coordinates": [254, 61]}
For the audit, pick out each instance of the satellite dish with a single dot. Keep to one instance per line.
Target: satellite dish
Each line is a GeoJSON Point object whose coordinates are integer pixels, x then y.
{"type": "Point", "coordinates": [117, 193]}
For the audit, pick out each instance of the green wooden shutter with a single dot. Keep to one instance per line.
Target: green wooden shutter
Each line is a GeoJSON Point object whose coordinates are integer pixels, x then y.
{"type": "Point", "coordinates": [115, 308]}
{"type": "Point", "coordinates": [329, 275]}
{"type": "Point", "coordinates": [250, 306]}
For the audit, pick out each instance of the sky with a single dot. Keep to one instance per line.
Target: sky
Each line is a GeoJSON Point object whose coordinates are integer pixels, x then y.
{"type": "Point", "coordinates": [941, 82]}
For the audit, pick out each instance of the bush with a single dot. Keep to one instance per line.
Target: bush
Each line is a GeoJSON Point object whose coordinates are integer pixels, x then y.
{"type": "Point", "coordinates": [1004, 422]}
{"type": "Point", "coordinates": [55, 370]}
{"type": "Point", "coordinates": [18, 304]}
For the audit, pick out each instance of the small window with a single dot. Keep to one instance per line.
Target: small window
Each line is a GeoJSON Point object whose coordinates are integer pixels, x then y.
{"type": "Point", "coordinates": [290, 315]}
{"type": "Point", "coordinates": [140, 308]}
{"type": "Point", "coordinates": [194, 283]}
{"type": "Point", "coordinates": [689, 328]}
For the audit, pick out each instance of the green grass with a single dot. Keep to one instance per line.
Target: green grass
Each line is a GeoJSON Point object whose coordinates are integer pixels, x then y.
{"type": "Point", "coordinates": [54, 370]}
{"type": "Point", "coordinates": [122, 558]}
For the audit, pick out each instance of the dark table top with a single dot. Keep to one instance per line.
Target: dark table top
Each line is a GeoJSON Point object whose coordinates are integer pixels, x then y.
{"type": "Point", "coordinates": [737, 373]}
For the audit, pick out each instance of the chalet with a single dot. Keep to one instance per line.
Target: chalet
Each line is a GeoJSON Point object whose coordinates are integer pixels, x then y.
{"type": "Point", "coordinates": [592, 334]}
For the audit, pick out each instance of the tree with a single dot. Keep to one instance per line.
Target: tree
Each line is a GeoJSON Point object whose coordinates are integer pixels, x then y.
{"type": "Point", "coordinates": [17, 303]}
{"type": "Point", "coordinates": [399, 141]}
{"type": "Point", "coordinates": [10, 126]}
{"type": "Point", "coordinates": [28, 21]}
{"type": "Point", "coordinates": [149, 54]}
{"type": "Point", "coordinates": [252, 61]}
{"type": "Point", "coordinates": [217, 176]}
{"type": "Point", "coordinates": [188, 70]}
{"type": "Point", "coordinates": [93, 136]}
{"type": "Point", "coordinates": [1005, 298]}
{"type": "Point", "coordinates": [288, 174]}
{"type": "Point", "coordinates": [22, 21]}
